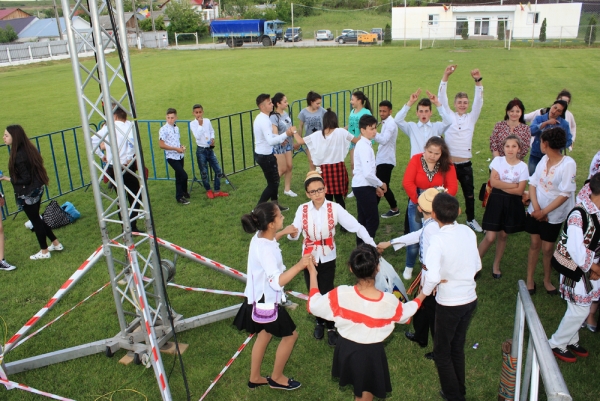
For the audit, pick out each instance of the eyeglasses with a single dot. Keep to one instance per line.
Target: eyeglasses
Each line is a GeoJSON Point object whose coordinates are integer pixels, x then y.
{"type": "Point", "coordinates": [316, 191]}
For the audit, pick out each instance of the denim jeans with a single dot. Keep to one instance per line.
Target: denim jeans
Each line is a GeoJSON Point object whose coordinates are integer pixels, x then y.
{"type": "Point", "coordinates": [415, 224]}
{"type": "Point", "coordinates": [205, 157]}
{"type": "Point", "coordinates": [464, 174]}
{"type": "Point", "coordinates": [532, 163]}
{"type": "Point", "coordinates": [451, 324]}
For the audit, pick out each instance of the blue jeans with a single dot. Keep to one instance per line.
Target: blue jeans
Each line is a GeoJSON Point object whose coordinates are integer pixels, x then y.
{"type": "Point", "coordinates": [532, 164]}
{"type": "Point", "coordinates": [413, 250]}
{"type": "Point", "coordinates": [205, 157]}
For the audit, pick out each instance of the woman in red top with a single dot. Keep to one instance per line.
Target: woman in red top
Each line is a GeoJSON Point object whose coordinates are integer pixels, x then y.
{"type": "Point", "coordinates": [432, 168]}
{"type": "Point", "coordinates": [513, 124]}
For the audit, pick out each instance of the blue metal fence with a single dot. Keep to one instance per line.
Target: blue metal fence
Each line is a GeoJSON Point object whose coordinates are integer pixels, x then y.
{"type": "Point", "coordinates": [234, 139]}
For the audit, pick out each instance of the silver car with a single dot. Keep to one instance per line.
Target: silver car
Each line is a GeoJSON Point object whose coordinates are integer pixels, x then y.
{"type": "Point", "coordinates": [324, 34]}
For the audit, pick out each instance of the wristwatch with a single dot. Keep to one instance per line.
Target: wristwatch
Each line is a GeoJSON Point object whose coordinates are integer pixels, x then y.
{"type": "Point", "coordinates": [479, 79]}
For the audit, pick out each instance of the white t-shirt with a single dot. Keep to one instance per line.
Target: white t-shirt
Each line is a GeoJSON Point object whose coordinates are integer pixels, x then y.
{"type": "Point", "coordinates": [559, 181]}
{"type": "Point", "coordinates": [510, 174]}
{"type": "Point", "coordinates": [125, 138]}
{"type": "Point", "coordinates": [204, 133]}
{"type": "Point", "coordinates": [265, 265]}
{"type": "Point", "coordinates": [330, 149]}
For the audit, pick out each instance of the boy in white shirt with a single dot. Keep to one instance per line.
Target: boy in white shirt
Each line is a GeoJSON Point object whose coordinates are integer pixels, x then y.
{"type": "Point", "coordinates": [459, 137]}
{"type": "Point", "coordinates": [175, 152]}
{"type": "Point", "coordinates": [204, 133]}
{"type": "Point", "coordinates": [452, 261]}
{"type": "Point", "coordinates": [365, 184]}
{"type": "Point", "coordinates": [385, 160]}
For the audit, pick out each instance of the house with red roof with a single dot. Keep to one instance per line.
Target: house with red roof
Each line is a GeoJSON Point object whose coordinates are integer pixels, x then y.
{"type": "Point", "coordinates": [12, 13]}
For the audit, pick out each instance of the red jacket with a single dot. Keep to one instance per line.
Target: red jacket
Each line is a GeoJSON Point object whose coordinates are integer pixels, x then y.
{"type": "Point", "coordinates": [415, 177]}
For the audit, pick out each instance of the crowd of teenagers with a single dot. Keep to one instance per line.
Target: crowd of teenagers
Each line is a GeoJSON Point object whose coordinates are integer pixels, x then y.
{"type": "Point", "coordinates": [538, 197]}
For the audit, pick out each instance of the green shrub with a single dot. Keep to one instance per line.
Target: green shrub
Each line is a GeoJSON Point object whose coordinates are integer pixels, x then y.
{"type": "Point", "coordinates": [465, 30]}
{"type": "Point", "coordinates": [501, 30]}
{"type": "Point", "coordinates": [543, 31]}
{"type": "Point", "coordinates": [8, 35]}
{"type": "Point", "coordinates": [146, 25]}
{"type": "Point", "coordinates": [184, 19]}
{"type": "Point", "coordinates": [590, 32]}
{"type": "Point", "coordinates": [387, 34]}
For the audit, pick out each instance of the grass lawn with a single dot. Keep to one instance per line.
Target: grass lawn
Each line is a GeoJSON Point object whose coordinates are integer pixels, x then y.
{"type": "Point", "coordinates": [42, 98]}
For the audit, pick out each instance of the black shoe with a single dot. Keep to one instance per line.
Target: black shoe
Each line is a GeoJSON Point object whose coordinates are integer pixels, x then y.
{"type": "Point", "coordinates": [183, 201]}
{"type": "Point", "coordinates": [411, 337]}
{"type": "Point", "coordinates": [256, 385]}
{"type": "Point", "coordinates": [292, 384]}
{"type": "Point", "coordinates": [496, 276]}
{"type": "Point", "coordinates": [283, 208]}
{"type": "Point", "coordinates": [332, 337]}
{"type": "Point", "coordinates": [186, 195]}
{"type": "Point", "coordinates": [319, 331]}
{"type": "Point", "coordinates": [390, 213]}
{"type": "Point", "coordinates": [430, 356]}
{"type": "Point", "coordinates": [552, 292]}
{"type": "Point", "coordinates": [532, 292]}
{"type": "Point", "coordinates": [137, 229]}
{"type": "Point", "coordinates": [443, 395]}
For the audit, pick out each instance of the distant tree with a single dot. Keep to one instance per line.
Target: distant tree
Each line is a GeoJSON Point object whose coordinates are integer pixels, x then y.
{"type": "Point", "coordinates": [146, 25]}
{"type": "Point", "coordinates": [184, 19]}
{"type": "Point", "coordinates": [47, 13]}
{"type": "Point", "coordinates": [465, 30]}
{"type": "Point", "coordinates": [501, 30]}
{"type": "Point", "coordinates": [543, 31]}
{"type": "Point", "coordinates": [590, 32]}
{"type": "Point", "coordinates": [387, 34]}
{"type": "Point", "coordinates": [8, 35]}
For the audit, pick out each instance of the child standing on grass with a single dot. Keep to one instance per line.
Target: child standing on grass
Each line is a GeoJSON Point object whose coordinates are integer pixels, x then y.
{"type": "Point", "coordinates": [283, 153]}
{"type": "Point", "coordinates": [504, 213]}
{"type": "Point", "coordinates": [317, 220]}
{"type": "Point", "coordinates": [175, 152]}
{"type": "Point", "coordinates": [311, 120]}
{"type": "Point", "coordinates": [364, 317]}
{"type": "Point", "coordinates": [204, 133]}
{"type": "Point", "coordinates": [266, 277]}
{"type": "Point", "coordinates": [386, 154]}
{"type": "Point", "coordinates": [452, 261]}
{"type": "Point", "coordinates": [360, 107]}
{"type": "Point", "coordinates": [424, 320]}
{"type": "Point", "coordinates": [4, 265]}
{"type": "Point", "coordinates": [365, 184]}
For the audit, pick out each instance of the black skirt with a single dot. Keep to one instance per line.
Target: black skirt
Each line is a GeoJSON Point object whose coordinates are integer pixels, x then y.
{"type": "Point", "coordinates": [504, 212]}
{"type": "Point", "coordinates": [282, 327]}
{"type": "Point", "coordinates": [363, 366]}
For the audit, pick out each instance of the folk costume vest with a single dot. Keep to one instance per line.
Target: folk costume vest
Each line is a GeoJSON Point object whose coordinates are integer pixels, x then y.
{"type": "Point", "coordinates": [318, 242]}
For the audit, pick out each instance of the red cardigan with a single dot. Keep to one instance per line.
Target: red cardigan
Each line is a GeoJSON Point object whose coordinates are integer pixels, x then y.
{"type": "Point", "coordinates": [415, 177]}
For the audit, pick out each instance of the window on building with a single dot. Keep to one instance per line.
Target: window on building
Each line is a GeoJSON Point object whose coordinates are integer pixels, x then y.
{"type": "Point", "coordinates": [434, 19]}
{"type": "Point", "coordinates": [482, 26]}
{"type": "Point", "coordinates": [533, 18]}
{"type": "Point", "coordinates": [460, 22]}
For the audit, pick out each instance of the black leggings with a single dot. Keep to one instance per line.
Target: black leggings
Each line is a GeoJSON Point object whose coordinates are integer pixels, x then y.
{"type": "Point", "coordinates": [339, 199]}
{"type": "Point", "coordinates": [42, 230]}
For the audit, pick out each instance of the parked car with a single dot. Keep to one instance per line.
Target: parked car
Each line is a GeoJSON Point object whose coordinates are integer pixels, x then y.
{"type": "Point", "coordinates": [345, 31]}
{"type": "Point", "coordinates": [324, 34]}
{"type": "Point", "coordinates": [379, 32]}
{"type": "Point", "coordinates": [350, 37]}
{"type": "Point", "coordinates": [296, 36]}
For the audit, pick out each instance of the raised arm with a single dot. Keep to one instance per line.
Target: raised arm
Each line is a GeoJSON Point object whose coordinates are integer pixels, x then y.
{"type": "Point", "coordinates": [443, 89]}
{"type": "Point", "coordinates": [478, 96]}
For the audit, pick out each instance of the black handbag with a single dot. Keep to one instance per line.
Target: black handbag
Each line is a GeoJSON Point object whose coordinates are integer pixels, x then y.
{"type": "Point", "coordinates": [55, 216]}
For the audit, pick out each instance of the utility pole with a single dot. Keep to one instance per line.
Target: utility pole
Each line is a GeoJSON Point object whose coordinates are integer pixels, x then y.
{"type": "Point", "coordinates": [60, 35]}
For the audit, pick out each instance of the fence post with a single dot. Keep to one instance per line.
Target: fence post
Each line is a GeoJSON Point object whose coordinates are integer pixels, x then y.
{"type": "Point", "coordinates": [30, 54]}
{"type": "Point", "coordinates": [560, 37]}
{"type": "Point", "coordinates": [8, 54]}
{"type": "Point", "coordinates": [49, 49]}
{"type": "Point", "coordinates": [590, 38]}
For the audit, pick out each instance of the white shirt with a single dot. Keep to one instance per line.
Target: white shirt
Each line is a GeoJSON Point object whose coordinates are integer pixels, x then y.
{"type": "Point", "coordinates": [548, 185]}
{"type": "Point", "coordinates": [264, 138]}
{"type": "Point", "coordinates": [510, 174]}
{"type": "Point", "coordinates": [331, 149]}
{"type": "Point", "coordinates": [358, 319]}
{"type": "Point", "coordinates": [319, 219]}
{"type": "Point", "coordinates": [364, 165]}
{"type": "Point", "coordinates": [124, 133]}
{"type": "Point", "coordinates": [204, 133]}
{"type": "Point", "coordinates": [419, 133]}
{"type": "Point", "coordinates": [452, 256]}
{"type": "Point", "coordinates": [459, 136]}
{"type": "Point", "coordinates": [169, 134]}
{"type": "Point", "coordinates": [386, 152]}
{"type": "Point", "coordinates": [265, 265]}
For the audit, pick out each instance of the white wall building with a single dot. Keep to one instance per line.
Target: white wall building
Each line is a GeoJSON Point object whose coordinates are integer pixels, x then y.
{"type": "Point", "coordinates": [524, 21]}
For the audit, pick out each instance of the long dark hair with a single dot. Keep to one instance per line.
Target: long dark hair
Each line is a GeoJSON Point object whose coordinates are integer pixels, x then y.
{"type": "Point", "coordinates": [444, 159]}
{"type": "Point", "coordinates": [363, 99]}
{"type": "Point", "coordinates": [276, 99]}
{"type": "Point", "coordinates": [519, 104]}
{"type": "Point", "coordinates": [330, 121]}
{"type": "Point", "coordinates": [21, 141]}
{"type": "Point", "coordinates": [260, 218]}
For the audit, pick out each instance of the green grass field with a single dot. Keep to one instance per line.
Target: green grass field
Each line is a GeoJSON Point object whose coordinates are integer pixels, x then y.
{"type": "Point", "coordinates": [42, 98]}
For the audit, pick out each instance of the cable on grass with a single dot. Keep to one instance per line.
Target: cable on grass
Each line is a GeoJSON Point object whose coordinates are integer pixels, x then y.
{"type": "Point", "coordinates": [112, 393]}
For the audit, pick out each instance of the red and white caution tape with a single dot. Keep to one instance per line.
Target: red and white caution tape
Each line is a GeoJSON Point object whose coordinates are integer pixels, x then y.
{"type": "Point", "coordinates": [194, 256]}
{"type": "Point", "coordinates": [187, 288]}
{"type": "Point", "coordinates": [159, 369]}
{"type": "Point", "coordinates": [12, 385]}
{"type": "Point", "coordinates": [298, 295]}
{"type": "Point", "coordinates": [240, 349]}
{"type": "Point", "coordinates": [61, 315]}
{"type": "Point", "coordinates": [85, 266]}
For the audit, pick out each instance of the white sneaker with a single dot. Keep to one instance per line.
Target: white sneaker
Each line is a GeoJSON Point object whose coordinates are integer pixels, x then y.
{"type": "Point", "coordinates": [58, 247]}
{"type": "Point", "coordinates": [350, 195]}
{"type": "Point", "coordinates": [40, 255]}
{"type": "Point", "coordinates": [290, 193]}
{"type": "Point", "coordinates": [4, 265]}
{"type": "Point", "coordinates": [475, 226]}
{"type": "Point", "coordinates": [407, 273]}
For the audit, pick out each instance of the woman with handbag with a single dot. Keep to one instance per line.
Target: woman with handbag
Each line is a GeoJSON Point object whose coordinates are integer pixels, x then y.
{"type": "Point", "coordinates": [28, 177]}
{"type": "Point", "coordinates": [262, 311]}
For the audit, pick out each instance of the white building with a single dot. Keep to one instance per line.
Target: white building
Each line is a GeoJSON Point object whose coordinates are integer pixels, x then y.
{"type": "Point", "coordinates": [523, 21]}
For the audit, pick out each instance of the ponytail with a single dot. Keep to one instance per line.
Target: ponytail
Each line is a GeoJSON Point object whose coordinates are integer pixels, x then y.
{"type": "Point", "coordinates": [260, 218]}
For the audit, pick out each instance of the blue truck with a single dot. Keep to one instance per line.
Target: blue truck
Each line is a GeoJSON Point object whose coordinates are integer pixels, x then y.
{"type": "Point", "coordinates": [236, 32]}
